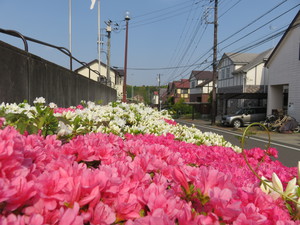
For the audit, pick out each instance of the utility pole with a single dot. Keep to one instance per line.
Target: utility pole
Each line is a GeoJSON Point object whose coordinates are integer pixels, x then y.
{"type": "Point", "coordinates": [108, 30]}
{"type": "Point", "coordinates": [127, 18]}
{"type": "Point", "coordinates": [215, 72]}
{"type": "Point", "coordinates": [159, 105]}
{"type": "Point", "coordinates": [132, 93]}
{"type": "Point", "coordinates": [99, 40]}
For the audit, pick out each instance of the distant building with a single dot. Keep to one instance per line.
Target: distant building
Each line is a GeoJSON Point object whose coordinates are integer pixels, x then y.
{"type": "Point", "coordinates": [201, 84]}
{"type": "Point", "coordinates": [242, 81]}
{"type": "Point", "coordinates": [113, 78]}
{"type": "Point", "coordinates": [155, 99]}
{"type": "Point", "coordinates": [138, 99]}
{"type": "Point", "coordinates": [158, 98]}
{"type": "Point", "coordinates": [179, 90]}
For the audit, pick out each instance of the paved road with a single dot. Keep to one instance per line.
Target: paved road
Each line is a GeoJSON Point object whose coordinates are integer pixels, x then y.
{"type": "Point", "coordinates": [287, 145]}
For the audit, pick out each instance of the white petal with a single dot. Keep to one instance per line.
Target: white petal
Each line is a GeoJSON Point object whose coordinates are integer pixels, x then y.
{"type": "Point", "coordinates": [277, 183]}
{"type": "Point", "coordinates": [290, 188]}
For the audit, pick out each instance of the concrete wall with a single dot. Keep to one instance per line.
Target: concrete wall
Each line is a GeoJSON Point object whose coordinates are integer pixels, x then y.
{"type": "Point", "coordinates": [26, 76]}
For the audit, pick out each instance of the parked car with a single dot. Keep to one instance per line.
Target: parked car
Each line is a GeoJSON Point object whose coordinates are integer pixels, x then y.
{"type": "Point", "coordinates": [244, 116]}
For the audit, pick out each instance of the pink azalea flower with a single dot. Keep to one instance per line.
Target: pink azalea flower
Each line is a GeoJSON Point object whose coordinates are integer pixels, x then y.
{"type": "Point", "coordinates": [210, 219]}
{"type": "Point", "coordinates": [224, 204]}
{"type": "Point", "coordinates": [158, 217]}
{"type": "Point", "coordinates": [180, 177]}
{"type": "Point", "coordinates": [70, 216]}
{"type": "Point", "coordinates": [2, 121]}
{"type": "Point", "coordinates": [172, 122]}
{"type": "Point", "coordinates": [103, 214]}
{"type": "Point", "coordinates": [127, 207]}
{"type": "Point", "coordinates": [250, 216]}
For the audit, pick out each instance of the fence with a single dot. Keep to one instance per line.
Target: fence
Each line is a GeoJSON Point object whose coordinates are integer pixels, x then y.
{"type": "Point", "coordinates": [27, 76]}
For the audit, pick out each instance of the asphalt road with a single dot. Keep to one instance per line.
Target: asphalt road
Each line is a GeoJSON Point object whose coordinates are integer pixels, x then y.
{"type": "Point", "coordinates": [288, 151]}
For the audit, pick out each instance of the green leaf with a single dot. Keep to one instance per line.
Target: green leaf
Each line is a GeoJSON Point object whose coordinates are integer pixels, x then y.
{"type": "Point", "coordinates": [288, 206]}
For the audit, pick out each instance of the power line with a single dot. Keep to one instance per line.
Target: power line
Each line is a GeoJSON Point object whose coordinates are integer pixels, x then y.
{"type": "Point", "coordinates": [252, 22]}
{"type": "Point", "coordinates": [251, 32]}
{"type": "Point", "coordinates": [229, 8]}
{"type": "Point", "coordinates": [180, 57]}
{"type": "Point", "coordinates": [192, 38]}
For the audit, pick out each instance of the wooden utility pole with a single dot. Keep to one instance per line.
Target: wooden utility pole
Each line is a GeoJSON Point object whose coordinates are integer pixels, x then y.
{"type": "Point", "coordinates": [127, 18]}
{"type": "Point", "coordinates": [108, 30]}
{"type": "Point", "coordinates": [215, 72]}
{"type": "Point", "coordinates": [159, 104]}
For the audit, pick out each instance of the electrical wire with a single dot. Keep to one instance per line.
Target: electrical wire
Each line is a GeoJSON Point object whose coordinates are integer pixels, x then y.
{"type": "Point", "coordinates": [252, 22]}
{"type": "Point", "coordinates": [187, 66]}
{"type": "Point", "coordinates": [251, 32]}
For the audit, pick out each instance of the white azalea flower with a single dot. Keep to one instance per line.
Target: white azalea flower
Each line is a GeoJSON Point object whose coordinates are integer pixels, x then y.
{"type": "Point", "coordinates": [52, 105]}
{"type": "Point", "coordinates": [291, 188]}
{"type": "Point", "coordinates": [133, 118]}
{"type": "Point", "coordinates": [40, 100]}
{"type": "Point", "coordinates": [69, 115]}
{"type": "Point", "coordinates": [277, 183]}
{"type": "Point", "coordinates": [265, 188]}
{"type": "Point", "coordinates": [63, 129]}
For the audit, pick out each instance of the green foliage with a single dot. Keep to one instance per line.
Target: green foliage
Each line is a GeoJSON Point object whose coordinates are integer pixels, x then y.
{"type": "Point", "coordinates": [180, 108]}
{"type": "Point", "coordinates": [41, 120]}
{"type": "Point", "coordinates": [145, 91]}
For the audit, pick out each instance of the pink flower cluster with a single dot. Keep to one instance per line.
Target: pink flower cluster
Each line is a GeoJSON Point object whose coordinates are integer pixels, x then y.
{"type": "Point", "coordinates": [172, 122]}
{"type": "Point", "coordinates": [61, 110]}
{"type": "Point", "coordinates": [145, 179]}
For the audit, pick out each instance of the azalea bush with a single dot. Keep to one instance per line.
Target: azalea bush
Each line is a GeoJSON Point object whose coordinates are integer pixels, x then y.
{"type": "Point", "coordinates": [116, 118]}
{"type": "Point", "coordinates": [105, 178]}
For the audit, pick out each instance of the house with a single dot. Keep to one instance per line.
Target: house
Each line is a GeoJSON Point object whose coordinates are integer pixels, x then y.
{"type": "Point", "coordinates": [158, 98]}
{"type": "Point", "coordinates": [201, 85]}
{"type": "Point", "coordinates": [284, 72]}
{"type": "Point", "coordinates": [179, 90]}
{"type": "Point", "coordinates": [155, 99]}
{"type": "Point", "coordinates": [138, 98]}
{"type": "Point", "coordinates": [242, 81]}
{"type": "Point", "coordinates": [109, 76]}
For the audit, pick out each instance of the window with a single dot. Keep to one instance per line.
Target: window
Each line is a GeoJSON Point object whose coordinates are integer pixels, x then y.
{"type": "Point", "coordinates": [193, 84]}
{"type": "Point", "coordinates": [178, 91]}
{"type": "Point", "coordinates": [184, 91]}
{"type": "Point", "coordinates": [223, 74]}
{"type": "Point", "coordinates": [227, 72]}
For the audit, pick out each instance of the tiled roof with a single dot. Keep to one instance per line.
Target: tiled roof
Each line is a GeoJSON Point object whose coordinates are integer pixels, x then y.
{"type": "Point", "coordinates": [202, 75]}
{"type": "Point", "coordinates": [183, 83]}
{"type": "Point", "coordinates": [241, 57]}
{"type": "Point", "coordinates": [261, 58]}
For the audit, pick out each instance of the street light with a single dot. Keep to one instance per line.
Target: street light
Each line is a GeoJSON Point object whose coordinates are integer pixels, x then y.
{"type": "Point", "coordinates": [127, 18]}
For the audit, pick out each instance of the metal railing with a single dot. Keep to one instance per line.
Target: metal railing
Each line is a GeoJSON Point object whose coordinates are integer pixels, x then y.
{"type": "Point", "coordinates": [64, 50]}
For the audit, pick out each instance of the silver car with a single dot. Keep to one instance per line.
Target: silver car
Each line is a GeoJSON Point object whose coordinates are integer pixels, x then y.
{"type": "Point", "coordinates": [244, 116]}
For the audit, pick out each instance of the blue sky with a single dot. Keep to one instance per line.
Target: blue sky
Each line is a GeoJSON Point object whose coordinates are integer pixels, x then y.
{"type": "Point", "coordinates": [167, 37]}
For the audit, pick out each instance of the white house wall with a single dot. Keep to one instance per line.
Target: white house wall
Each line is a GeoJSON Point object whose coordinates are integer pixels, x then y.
{"type": "Point", "coordinates": [194, 90]}
{"type": "Point", "coordinates": [255, 75]}
{"type": "Point", "coordinates": [90, 74]}
{"type": "Point", "coordinates": [87, 73]}
{"type": "Point", "coordinates": [284, 68]}
{"type": "Point", "coordinates": [207, 88]}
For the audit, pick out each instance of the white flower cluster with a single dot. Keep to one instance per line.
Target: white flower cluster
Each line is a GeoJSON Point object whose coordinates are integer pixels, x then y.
{"type": "Point", "coordinates": [275, 188]}
{"type": "Point", "coordinates": [122, 118]}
